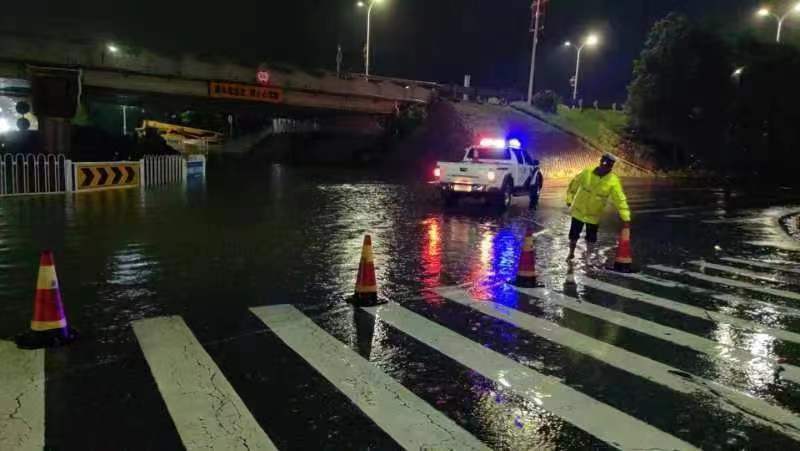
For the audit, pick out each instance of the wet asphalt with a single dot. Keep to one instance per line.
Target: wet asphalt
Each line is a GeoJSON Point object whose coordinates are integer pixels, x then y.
{"type": "Point", "coordinates": [255, 234]}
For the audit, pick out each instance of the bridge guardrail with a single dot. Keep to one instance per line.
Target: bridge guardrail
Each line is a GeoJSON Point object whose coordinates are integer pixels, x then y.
{"type": "Point", "coordinates": [29, 173]}
{"type": "Point", "coordinates": [163, 169]}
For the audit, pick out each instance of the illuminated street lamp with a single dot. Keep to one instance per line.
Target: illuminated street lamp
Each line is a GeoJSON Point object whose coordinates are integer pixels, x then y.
{"type": "Point", "coordinates": [592, 40]}
{"type": "Point", "coordinates": [766, 12]}
{"type": "Point", "coordinates": [369, 6]}
{"type": "Point", "coordinates": [112, 48]}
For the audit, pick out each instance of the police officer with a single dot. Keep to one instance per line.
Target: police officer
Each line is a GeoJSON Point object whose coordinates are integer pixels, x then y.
{"type": "Point", "coordinates": [587, 196]}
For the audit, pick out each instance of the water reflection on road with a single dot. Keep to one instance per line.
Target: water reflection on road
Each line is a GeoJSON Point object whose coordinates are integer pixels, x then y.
{"type": "Point", "coordinates": [273, 234]}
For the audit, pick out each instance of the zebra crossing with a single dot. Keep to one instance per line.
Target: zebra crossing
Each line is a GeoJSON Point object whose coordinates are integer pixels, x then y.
{"type": "Point", "coordinates": [208, 413]}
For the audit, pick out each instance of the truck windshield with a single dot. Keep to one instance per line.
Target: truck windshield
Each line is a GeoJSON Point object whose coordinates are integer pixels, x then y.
{"type": "Point", "coordinates": [481, 153]}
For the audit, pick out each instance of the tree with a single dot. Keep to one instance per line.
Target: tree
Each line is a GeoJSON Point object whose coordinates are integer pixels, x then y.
{"type": "Point", "coordinates": [547, 101]}
{"type": "Point", "coordinates": [681, 94]}
{"type": "Point", "coordinates": [766, 114]}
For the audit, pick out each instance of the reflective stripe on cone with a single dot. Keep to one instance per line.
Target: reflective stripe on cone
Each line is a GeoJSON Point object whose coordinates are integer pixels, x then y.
{"type": "Point", "coordinates": [366, 292]}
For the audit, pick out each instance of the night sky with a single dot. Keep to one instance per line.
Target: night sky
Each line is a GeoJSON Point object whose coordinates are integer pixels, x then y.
{"type": "Point", "coordinates": [438, 40]}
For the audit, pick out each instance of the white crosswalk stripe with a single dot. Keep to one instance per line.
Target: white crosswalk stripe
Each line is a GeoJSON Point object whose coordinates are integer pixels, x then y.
{"type": "Point", "coordinates": [737, 271]}
{"type": "Point", "coordinates": [667, 210]}
{"type": "Point", "coordinates": [405, 417]}
{"type": "Point", "coordinates": [598, 419]}
{"type": "Point", "coordinates": [690, 310]}
{"type": "Point", "coordinates": [730, 400]}
{"type": "Point", "coordinates": [725, 297]}
{"type": "Point", "coordinates": [711, 348]}
{"type": "Point", "coordinates": [727, 282]}
{"type": "Point", "coordinates": [760, 264]}
{"type": "Point", "coordinates": [21, 398]}
{"type": "Point", "coordinates": [734, 221]}
{"type": "Point", "coordinates": [205, 408]}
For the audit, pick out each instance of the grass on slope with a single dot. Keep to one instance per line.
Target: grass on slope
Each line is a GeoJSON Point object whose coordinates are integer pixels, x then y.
{"type": "Point", "coordinates": [601, 128]}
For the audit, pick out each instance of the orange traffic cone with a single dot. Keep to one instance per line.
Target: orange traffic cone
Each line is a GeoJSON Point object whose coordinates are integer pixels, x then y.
{"type": "Point", "coordinates": [49, 326]}
{"type": "Point", "coordinates": [366, 286]}
{"type": "Point", "coordinates": [624, 261]}
{"type": "Point", "coordinates": [526, 274]}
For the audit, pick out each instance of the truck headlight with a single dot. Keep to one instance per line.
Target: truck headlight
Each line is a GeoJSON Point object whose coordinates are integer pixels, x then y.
{"type": "Point", "coordinates": [491, 176]}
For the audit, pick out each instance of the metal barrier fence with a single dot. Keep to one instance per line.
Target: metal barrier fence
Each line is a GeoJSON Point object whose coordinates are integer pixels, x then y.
{"type": "Point", "coordinates": [162, 169]}
{"type": "Point", "coordinates": [28, 173]}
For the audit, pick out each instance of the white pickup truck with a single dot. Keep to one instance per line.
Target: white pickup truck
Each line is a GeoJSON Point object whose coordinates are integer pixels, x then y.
{"type": "Point", "coordinates": [496, 170]}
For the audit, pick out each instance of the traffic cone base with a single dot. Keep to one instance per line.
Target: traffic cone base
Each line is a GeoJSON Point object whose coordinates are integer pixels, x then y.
{"type": "Point", "coordinates": [624, 260]}
{"type": "Point", "coordinates": [366, 293]}
{"type": "Point", "coordinates": [52, 338]}
{"type": "Point", "coordinates": [49, 326]}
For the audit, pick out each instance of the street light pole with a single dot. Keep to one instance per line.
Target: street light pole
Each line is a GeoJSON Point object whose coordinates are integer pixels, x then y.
{"type": "Point", "coordinates": [361, 4]}
{"type": "Point", "coordinates": [764, 12]}
{"type": "Point", "coordinates": [591, 41]}
{"type": "Point", "coordinates": [536, 6]}
{"type": "Point", "coordinates": [577, 75]}
{"type": "Point", "coordinates": [369, 20]}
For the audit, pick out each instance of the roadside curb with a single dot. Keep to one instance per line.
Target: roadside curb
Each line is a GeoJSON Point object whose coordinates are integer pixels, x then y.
{"type": "Point", "coordinates": [791, 225]}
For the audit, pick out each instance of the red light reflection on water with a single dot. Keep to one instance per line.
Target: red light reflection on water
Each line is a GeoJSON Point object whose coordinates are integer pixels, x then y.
{"type": "Point", "coordinates": [432, 256]}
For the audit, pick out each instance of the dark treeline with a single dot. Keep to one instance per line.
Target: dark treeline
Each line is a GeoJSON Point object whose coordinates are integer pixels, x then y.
{"type": "Point", "coordinates": [701, 100]}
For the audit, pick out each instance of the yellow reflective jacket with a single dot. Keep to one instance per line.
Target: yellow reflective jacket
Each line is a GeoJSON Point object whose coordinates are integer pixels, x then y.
{"type": "Point", "coordinates": [588, 194]}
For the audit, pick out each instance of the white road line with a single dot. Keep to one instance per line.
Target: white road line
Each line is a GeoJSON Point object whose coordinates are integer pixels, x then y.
{"type": "Point", "coordinates": [715, 350]}
{"type": "Point", "coordinates": [667, 210]}
{"type": "Point", "coordinates": [734, 221]}
{"type": "Point", "coordinates": [690, 310]}
{"type": "Point", "coordinates": [600, 420]}
{"type": "Point", "coordinates": [409, 420]}
{"type": "Point", "coordinates": [759, 264]}
{"type": "Point", "coordinates": [725, 297]}
{"type": "Point", "coordinates": [784, 244]}
{"type": "Point", "coordinates": [738, 271]}
{"type": "Point", "coordinates": [727, 282]}
{"type": "Point", "coordinates": [206, 410]}
{"type": "Point", "coordinates": [729, 399]}
{"type": "Point", "coordinates": [21, 398]}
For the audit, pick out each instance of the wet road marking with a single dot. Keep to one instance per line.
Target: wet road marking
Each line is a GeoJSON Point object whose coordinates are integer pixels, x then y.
{"type": "Point", "coordinates": [598, 419]}
{"type": "Point", "coordinates": [727, 282]}
{"type": "Point", "coordinates": [759, 264]}
{"type": "Point", "coordinates": [205, 408]}
{"type": "Point", "coordinates": [734, 221]}
{"type": "Point", "coordinates": [711, 348]}
{"type": "Point", "coordinates": [667, 210]}
{"type": "Point", "coordinates": [781, 244]}
{"type": "Point", "coordinates": [409, 420]}
{"type": "Point", "coordinates": [730, 399]}
{"type": "Point", "coordinates": [737, 271]}
{"type": "Point", "coordinates": [690, 310]}
{"type": "Point", "coordinates": [21, 398]}
{"type": "Point", "coordinates": [728, 298]}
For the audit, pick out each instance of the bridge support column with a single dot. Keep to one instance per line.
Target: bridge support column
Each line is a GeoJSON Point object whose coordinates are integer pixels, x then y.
{"type": "Point", "coordinates": [56, 134]}
{"type": "Point", "coordinates": [55, 101]}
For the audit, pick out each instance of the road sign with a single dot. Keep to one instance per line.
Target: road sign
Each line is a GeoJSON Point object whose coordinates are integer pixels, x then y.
{"type": "Point", "coordinates": [122, 174]}
{"type": "Point", "coordinates": [263, 77]}
{"type": "Point", "coordinates": [239, 91]}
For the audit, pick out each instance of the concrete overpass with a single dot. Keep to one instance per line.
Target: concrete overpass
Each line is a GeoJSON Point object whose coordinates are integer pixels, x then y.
{"type": "Point", "coordinates": [142, 73]}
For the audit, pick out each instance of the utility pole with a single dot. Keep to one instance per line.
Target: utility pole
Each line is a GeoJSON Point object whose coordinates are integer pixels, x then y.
{"type": "Point", "coordinates": [339, 61]}
{"type": "Point", "coordinates": [124, 120]}
{"type": "Point", "coordinates": [536, 7]}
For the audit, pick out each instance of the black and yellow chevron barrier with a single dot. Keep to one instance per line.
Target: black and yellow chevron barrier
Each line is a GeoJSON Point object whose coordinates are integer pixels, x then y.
{"type": "Point", "coordinates": [120, 174]}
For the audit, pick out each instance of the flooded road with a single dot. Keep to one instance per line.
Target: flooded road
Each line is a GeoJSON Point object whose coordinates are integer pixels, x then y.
{"type": "Point", "coordinates": [701, 349]}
